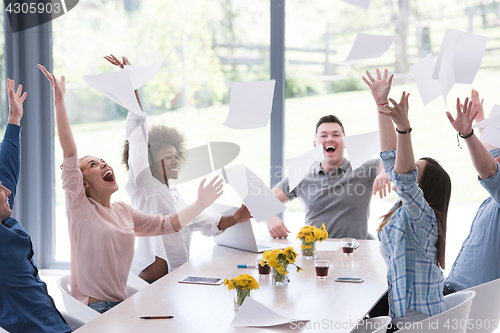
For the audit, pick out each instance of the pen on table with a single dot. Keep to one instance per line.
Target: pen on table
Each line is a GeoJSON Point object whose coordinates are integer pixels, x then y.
{"type": "Point", "coordinates": [158, 317]}
{"type": "Point", "coordinates": [246, 266]}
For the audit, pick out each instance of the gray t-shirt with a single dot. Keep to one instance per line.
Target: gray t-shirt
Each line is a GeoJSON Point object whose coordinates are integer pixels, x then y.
{"type": "Point", "coordinates": [340, 200]}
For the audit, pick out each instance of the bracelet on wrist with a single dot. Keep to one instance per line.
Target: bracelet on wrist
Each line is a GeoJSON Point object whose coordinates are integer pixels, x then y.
{"type": "Point", "coordinates": [468, 135]}
{"type": "Point", "coordinates": [404, 132]}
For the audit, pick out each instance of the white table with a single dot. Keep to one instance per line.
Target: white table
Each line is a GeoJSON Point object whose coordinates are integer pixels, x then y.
{"type": "Point", "coordinates": [202, 308]}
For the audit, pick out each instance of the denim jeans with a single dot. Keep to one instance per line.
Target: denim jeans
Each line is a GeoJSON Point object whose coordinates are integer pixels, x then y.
{"type": "Point", "coordinates": [104, 306]}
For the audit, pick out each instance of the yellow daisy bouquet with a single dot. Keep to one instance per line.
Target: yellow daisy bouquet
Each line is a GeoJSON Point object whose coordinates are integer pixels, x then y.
{"type": "Point", "coordinates": [279, 261]}
{"type": "Point", "coordinates": [309, 234]}
{"type": "Point", "coordinates": [242, 284]}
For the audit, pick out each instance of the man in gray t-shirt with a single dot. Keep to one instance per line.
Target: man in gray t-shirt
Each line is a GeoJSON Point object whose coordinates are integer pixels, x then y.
{"type": "Point", "coordinates": [333, 193]}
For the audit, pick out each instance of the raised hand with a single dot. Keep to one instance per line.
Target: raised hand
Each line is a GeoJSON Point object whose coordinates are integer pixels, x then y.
{"type": "Point", "coordinates": [399, 112]}
{"type": "Point", "coordinates": [477, 105]}
{"type": "Point", "coordinates": [465, 115]}
{"type": "Point", "coordinates": [380, 184]}
{"type": "Point", "coordinates": [380, 87]}
{"type": "Point", "coordinates": [114, 60]}
{"type": "Point", "coordinates": [16, 101]}
{"type": "Point", "coordinates": [242, 214]}
{"type": "Point", "coordinates": [208, 194]}
{"type": "Point", "coordinates": [59, 86]}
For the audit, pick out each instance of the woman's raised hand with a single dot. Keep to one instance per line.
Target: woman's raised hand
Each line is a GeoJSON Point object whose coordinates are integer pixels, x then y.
{"type": "Point", "coordinates": [380, 87]}
{"type": "Point", "coordinates": [399, 112]}
{"type": "Point", "coordinates": [114, 60]}
{"type": "Point", "coordinates": [59, 87]}
{"type": "Point", "coordinates": [208, 194]}
{"type": "Point", "coordinates": [465, 115]}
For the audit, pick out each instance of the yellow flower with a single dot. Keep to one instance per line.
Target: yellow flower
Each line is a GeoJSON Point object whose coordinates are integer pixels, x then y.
{"type": "Point", "coordinates": [242, 281]}
{"type": "Point", "coordinates": [281, 270]}
{"type": "Point", "coordinates": [309, 239]}
{"type": "Point", "coordinates": [305, 246]}
{"type": "Point", "coordinates": [226, 281]}
{"type": "Point", "coordinates": [299, 269]}
{"type": "Point", "coordinates": [262, 262]}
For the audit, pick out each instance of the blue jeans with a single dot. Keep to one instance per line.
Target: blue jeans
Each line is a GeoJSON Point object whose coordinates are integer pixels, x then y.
{"type": "Point", "coordinates": [104, 306]}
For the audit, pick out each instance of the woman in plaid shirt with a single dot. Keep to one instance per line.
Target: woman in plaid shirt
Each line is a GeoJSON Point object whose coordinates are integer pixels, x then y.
{"type": "Point", "coordinates": [413, 233]}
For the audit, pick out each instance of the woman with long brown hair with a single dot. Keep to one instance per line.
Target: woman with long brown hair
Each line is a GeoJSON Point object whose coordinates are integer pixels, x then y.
{"type": "Point", "coordinates": [413, 233]}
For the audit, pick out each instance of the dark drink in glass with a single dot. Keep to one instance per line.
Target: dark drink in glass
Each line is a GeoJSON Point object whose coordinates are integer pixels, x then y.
{"type": "Point", "coordinates": [348, 249]}
{"type": "Point", "coordinates": [264, 270]}
{"type": "Point", "coordinates": [321, 267]}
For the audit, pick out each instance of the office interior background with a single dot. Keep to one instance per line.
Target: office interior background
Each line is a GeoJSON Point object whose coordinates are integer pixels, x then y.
{"type": "Point", "coordinates": [216, 42]}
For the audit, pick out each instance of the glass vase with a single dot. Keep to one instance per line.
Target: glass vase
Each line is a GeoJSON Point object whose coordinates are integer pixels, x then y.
{"type": "Point", "coordinates": [308, 249]}
{"type": "Point", "coordinates": [279, 279]}
{"type": "Point", "coordinates": [240, 295]}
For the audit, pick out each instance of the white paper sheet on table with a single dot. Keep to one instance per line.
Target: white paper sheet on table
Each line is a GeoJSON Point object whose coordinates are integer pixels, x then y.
{"type": "Point", "coordinates": [328, 245]}
{"type": "Point", "coordinates": [493, 121]}
{"type": "Point", "coordinates": [258, 198]}
{"type": "Point", "coordinates": [361, 147]}
{"type": "Point", "coordinates": [359, 3]}
{"type": "Point", "coordinates": [299, 167]}
{"type": "Point", "coordinates": [250, 104]}
{"type": "Point", "coordinates": [255, 314]}
{"type": "Point", "coordinates": [368, 47]}
{"type": "Point", "coordinates": [422, 71]}
{"type": "Point", "coordinates": [119, 86]}
{"type": "Point", "coordinates": [459, 59]}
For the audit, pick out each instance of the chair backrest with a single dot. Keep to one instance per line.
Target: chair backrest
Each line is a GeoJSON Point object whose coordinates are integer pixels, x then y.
{"type": "Point", "coordinates": [134, 284]}
{"type": "Point", "coordinates": [453, 320]}
{"type": "Point", "coordinates": [484, 313]}
{"type": "Point", "coordinates": [72, 321]}
{"type": "Point", "coordinates": [73, 306]}
{"type": "Point", "coordinates": [373, 325]}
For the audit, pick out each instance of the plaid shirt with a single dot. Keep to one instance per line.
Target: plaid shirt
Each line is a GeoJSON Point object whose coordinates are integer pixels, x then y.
{"type": "Point", "coordinates": [409, 238]}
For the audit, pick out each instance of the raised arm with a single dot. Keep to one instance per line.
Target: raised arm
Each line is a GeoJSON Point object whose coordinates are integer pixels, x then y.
{"type": "Point", "coordinates": [10, 147]}
{"type": "Point", "coordinates": [63, 129]}
{"type": "Point", "coordinates": [405, 161]}
{"type": "Point", "coordinates": [481, 159]}
{"type": "Point", "coordinates": [477, 105]}
{"type": "Point", "coordinates": [380, 89]}
{"type": "Point", "coordinates": [16, 101]}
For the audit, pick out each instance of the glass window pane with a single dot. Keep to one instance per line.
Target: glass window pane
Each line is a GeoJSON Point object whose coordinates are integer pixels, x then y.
{"type": "Point", "coordinates": [213, 42]}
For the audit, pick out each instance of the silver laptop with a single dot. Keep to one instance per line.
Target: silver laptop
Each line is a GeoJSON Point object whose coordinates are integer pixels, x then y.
{"type": "Point", "coordinates": [239, 236]}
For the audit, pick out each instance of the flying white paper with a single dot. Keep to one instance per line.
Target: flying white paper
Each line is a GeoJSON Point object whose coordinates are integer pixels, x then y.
{"type": "Point", "coordinates": [119, 86]}
{"type": "Point", "coordinates": [258, 198]}
{"type": "Point", "coordinates": [493, 121]}
{"type": "Point", "coordinates": [359, 3]}
{"type": "Point", "coordinates": [491, 134]}
{"type": "Point", "coordinates": [299, 167]}
{"type": "Point", "coordinates": [361, 147]}
{"type": "Point", "coordinates": [255, 314]}
{"type": "Point", "coordinates": [368, 47]}
{"type": "Point", "coordinates": [428, 88]}
{"type": "Point", "coordinates": [250, 104]}
{"type": "Point", "coordinates": [459, 59]}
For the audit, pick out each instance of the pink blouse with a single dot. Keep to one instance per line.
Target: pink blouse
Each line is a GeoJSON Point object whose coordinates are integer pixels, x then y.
{"type": "Point", "coordinates": [102, 239]}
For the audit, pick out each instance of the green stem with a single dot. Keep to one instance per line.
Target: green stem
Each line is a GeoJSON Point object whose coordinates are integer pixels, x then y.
{"type": "Point", "coordinates": [241, 294]}
{"type": "Point", "coordinates": [310, 251]}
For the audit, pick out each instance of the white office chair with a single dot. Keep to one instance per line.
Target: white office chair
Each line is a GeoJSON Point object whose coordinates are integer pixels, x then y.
{"type": "Point", "coordinates": [72, 321]}
{"type": "Point", "coordinates": [453, 320]}
{"type": "Point", "coordinates": [135, 282]}
{"type": "Point", "coordinates": [83, 312]}
{"type": "Point", "coordinates": [484, 313]}
{"type": "Point", "coordinates": [73, 306]}
{"type": "Point", "coordinates": [373, 325]}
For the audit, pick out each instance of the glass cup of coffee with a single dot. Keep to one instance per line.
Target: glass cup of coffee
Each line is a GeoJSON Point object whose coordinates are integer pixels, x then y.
{"type": "Point", "coordinates": [348, 245]}
{"type": "Point", "coordinates": [263, 270]}
{"type": "Point", "coordinates": [321, 267]}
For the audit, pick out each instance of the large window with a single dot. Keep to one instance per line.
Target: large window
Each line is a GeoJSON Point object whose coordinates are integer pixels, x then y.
{"type": "Point", "coordinates": [320, 35]}
{"type": "Point", "coordinates": [213, 42]}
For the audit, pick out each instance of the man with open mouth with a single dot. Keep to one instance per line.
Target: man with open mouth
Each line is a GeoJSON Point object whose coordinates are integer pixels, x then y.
{"type": "Point", "coordinates": [332, 193]}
